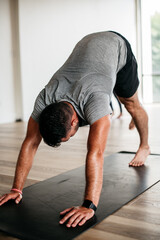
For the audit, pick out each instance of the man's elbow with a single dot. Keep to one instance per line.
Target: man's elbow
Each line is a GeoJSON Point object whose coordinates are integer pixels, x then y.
{"type": "Point", "coordinates": [97, 156]}
{"type": "Point", "coordinates": [31, 143]}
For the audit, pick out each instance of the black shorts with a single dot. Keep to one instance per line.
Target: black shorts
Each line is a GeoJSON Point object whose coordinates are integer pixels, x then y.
{"type": "Point", "coordinates": [127, 80]}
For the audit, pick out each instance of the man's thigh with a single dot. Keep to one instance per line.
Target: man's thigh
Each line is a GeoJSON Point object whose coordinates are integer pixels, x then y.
{"type": "Point", "coordinates": [131, 102]}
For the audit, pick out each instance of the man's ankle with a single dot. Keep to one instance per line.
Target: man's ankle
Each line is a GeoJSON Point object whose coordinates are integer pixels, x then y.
{"type": "Point", "coordinates": [144, 146]}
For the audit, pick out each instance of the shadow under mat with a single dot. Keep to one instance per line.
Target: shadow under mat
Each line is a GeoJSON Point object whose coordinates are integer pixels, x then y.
{"type": "Point", "coordinates": [37, 216]}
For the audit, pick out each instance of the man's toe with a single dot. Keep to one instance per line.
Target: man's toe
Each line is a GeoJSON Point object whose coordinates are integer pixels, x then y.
{"type": "Point", "coordinates": [131, 163]}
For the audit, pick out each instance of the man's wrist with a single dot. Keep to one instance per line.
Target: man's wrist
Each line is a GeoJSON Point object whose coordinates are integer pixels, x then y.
{"type": "Point", "coordinates": [89, 204]}
{"type": "Point", "coordinates": [16, 190]}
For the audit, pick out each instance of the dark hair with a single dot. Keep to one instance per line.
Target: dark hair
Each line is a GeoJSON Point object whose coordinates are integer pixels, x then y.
{"type": "Point", "coordinates": [55, 122]}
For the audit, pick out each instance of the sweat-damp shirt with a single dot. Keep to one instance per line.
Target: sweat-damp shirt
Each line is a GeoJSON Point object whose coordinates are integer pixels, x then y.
{"type": "Point", "coordinates": [87, 78]}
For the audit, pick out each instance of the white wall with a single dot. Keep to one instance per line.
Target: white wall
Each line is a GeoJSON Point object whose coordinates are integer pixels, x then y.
{"type": "Point", "coordinates": [7, 104]}
{"type": "Point", "coordinates": [49, 29]}
{"type": "Point", "coordinates": [147, 51]}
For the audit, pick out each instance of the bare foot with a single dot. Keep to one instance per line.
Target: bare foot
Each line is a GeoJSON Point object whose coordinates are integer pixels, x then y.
{"type": "Point", "coordinates": [131, 125]}
{"type": "Point", "coordinates": [140, 157]}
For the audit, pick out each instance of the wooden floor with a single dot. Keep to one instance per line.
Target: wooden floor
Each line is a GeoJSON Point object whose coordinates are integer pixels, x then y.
{"type": "Point", "coordinates": [140, 219]}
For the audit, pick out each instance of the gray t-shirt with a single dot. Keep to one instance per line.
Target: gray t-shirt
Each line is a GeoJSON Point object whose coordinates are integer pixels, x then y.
{"type": "Point", "coordinates": [87, 78]}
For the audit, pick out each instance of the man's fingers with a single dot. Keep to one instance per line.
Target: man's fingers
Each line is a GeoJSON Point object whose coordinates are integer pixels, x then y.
{"type": "Point", "coordinates": [78, 219]}
{"type": "Point", "coordinates": [3, 197]}
{"type": "Point", "coordinates": [66, 210]}
{"type": "Point", "coordinates": [76, 216]}
{"type": "Point", "coordinates": [68, 215]}
{"type": "Point", "coordinates": [82, 222]}
{"type": "Point", "coordinates": [72, 219]}
{"type": "Point", "coordinates": [18, 199]}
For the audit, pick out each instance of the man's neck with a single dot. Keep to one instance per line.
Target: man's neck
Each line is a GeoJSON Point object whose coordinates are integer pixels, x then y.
{"type": "Point", "coordinates": [75, 115]}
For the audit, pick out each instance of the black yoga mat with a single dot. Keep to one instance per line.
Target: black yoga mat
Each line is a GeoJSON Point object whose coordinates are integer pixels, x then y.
{"type": "Point", "coordinates": [37, 216]}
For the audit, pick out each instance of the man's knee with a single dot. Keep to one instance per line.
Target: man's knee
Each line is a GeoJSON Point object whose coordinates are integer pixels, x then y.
{"type": "Point", "coordinates": [132, 107]}
{"type": "Point", "coordinates": [131, 104]}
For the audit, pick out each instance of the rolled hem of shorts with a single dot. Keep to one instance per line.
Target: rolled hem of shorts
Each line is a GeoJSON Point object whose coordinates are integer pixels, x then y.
{"type": "Point", "coordinates": [131, 93]}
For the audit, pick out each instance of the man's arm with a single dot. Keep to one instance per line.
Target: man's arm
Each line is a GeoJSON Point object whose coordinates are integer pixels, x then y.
{"type": "Point", "coordinates": [94, 162]}
{"type": "Point", "coordinates": [94, 173]}
{"type": "Point", "coordinates": [25, 159]}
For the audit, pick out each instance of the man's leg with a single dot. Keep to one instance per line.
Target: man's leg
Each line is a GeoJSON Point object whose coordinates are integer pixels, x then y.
{"type": "Point", "coordinates": [131, 125]}
{"type": "Point", "coordinates": [140, 119]}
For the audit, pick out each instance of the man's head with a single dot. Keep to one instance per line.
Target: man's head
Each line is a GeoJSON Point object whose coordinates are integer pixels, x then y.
{"type": "Point", "coordinates": [58, 122]}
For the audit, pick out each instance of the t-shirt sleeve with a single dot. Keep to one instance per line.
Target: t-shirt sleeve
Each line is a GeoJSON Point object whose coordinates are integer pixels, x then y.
{"type": "Point", "coordinates": [97, 106]}
{"type": "Point", "coordinates": [39, 105]}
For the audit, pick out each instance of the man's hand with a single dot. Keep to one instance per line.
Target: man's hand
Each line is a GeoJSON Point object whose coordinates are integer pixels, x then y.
{"type": "Point", "coordinates": [13, 195]}
{"type": "Point", "coordinates": [76, 215]}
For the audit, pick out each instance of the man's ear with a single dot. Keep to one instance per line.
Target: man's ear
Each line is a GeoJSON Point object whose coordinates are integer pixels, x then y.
{"type": "Point", "coordinates": [74, 122]}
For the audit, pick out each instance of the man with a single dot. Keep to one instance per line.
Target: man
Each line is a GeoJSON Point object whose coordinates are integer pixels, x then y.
{"type": "Point", "coordinates": [78, 94]}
